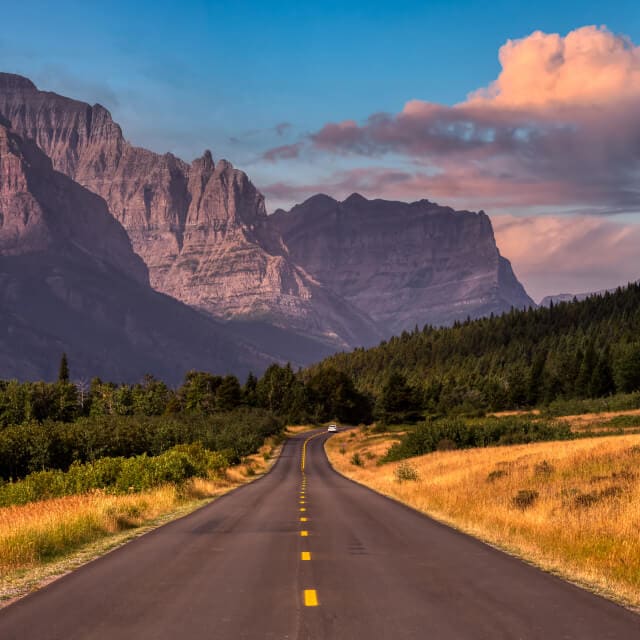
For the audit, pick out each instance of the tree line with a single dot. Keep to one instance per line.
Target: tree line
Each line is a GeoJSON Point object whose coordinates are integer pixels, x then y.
{"type": "Point", "coordinates": [521, 359]}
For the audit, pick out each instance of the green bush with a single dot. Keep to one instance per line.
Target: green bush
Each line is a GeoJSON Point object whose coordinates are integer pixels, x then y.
{"type": "Point", "coordinates": [356, 460]}
{"type": "Point", "coordinates": [116, 475]}
{"type": "Point", "coordinates": [33, 446]}
{"type": "Point", "coordinates": [458, 433]}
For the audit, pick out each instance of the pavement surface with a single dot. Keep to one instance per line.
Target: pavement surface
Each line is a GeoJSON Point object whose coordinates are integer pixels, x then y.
{"type": "Point", "coordinates": [304, 553]}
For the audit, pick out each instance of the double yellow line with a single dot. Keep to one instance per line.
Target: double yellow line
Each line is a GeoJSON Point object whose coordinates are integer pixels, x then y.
{"type": "Point", "coordinates": [303, 459]}
{"type": "Point", "coordinates": [310, 596]}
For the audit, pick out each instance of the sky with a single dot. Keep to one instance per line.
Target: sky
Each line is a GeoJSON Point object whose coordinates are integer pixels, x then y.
{"type": "Point", "coordinates": [531, 113]}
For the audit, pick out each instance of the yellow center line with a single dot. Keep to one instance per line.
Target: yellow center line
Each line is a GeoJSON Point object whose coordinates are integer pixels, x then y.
{"type": "Point", "coordinates": [305, 555]}
{"type": "Point", "coordinates": [303, 519]}
{"type": "Point", "coordinates": [310, 598]}
{"type": "Point", "coordinates": [301, 501]}
{"type": "Point", "coordinates": [304, 534]}
{"type": "Point", "coordinates": [304, 449]}
{"type": "Point", "coordinates": [303, 508]}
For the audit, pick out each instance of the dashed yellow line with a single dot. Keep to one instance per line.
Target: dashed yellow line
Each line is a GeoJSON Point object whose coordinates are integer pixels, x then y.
{"type": "Point", "coordinates": [304, 533]}
{"type": "Point", "coordinates": [310, 598]}
{"type": "Point", "coordinates": [305, 555]}
{"type": "Point", "coordinates": [303, 519]}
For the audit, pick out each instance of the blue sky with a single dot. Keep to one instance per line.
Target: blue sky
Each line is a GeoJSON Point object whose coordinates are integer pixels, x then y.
{"type": "Point", "coordinates": [185, 76]}
{"type": "Point", "coordinates": [242, 78]}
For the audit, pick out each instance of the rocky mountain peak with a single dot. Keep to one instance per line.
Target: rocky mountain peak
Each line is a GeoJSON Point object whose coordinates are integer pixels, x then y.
{"type": "Point", "coordinates": [354, 200]}
{"type": "Point", "coordinates": [402, 263]}
{"type": "Point", "coordinates": [13, 82]}
{"type": "Point", "coordinates": [204, 163]}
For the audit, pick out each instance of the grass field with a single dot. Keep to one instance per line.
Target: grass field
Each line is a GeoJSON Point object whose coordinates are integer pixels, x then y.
{"type": "Point", "coordinates": [41, 540]}
{"type": "Point", "coordinates": [570, 507]}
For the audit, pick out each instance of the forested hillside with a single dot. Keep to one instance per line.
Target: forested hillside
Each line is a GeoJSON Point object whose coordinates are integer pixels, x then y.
{"type": "Point", "coordinates": [571, 350]}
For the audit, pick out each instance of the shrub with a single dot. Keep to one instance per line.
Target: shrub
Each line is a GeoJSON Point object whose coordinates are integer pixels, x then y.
{"type": "Point", "coordinates": [356, 460]}
{"type": "Point", "coordinates": [463, 434]}
{"type": "Point", "coordinates": [496, 474]}
{"type": "Point", "coordinates": [116, 475]}
{"type": "Point", "coordinates": [406, 472]}
{"type": "Point", "coordinates": [543, 468]}
{"type": "Point", "coordinates": [524, 499]}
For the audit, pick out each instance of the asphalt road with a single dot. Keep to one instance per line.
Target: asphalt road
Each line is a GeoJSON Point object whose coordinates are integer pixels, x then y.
{"type": "Point", "coordinates": [310, 556]}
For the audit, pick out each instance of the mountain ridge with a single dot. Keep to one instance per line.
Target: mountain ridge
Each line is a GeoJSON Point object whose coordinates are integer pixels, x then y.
{"type": "Point", "coordinates": [334, 275]}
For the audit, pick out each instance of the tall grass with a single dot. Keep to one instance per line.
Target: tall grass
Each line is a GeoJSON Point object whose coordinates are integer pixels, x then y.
{"type": "Point", "coordinates": [572, 507]}
{"type": "Point", "coordinates": [38, 532]}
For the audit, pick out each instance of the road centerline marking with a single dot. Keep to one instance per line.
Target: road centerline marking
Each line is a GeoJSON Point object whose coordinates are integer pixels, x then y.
{"type": "Point", "coordinates": [304, 533]}
{"type": "Point", "coordinates": [305, 555]}
{"type": "Point", "coordinates": [310, 598]}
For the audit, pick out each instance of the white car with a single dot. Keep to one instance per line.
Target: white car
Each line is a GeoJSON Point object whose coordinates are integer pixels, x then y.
{"type": "Point", "coordinates": [332, 427]}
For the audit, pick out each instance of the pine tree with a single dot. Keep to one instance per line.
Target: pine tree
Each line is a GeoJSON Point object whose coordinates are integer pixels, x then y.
{"type": "Point", "coordinates": [63, 372]}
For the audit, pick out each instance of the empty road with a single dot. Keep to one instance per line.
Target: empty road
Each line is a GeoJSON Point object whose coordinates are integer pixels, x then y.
{"type": "Point", "coordinates": [307, 554]}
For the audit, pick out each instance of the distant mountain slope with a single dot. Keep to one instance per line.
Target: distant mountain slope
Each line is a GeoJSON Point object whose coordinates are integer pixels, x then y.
{"type": "Point", "coordinates": [70, 281]}
{"type": "Point", "coordinates": [402, 264]}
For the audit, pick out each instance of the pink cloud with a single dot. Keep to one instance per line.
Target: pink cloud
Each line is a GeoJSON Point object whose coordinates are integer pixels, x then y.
{"type": "Point", "coordinates": [284, 152]}
{"type": "Point", "coordinates": [572, 254]}
{"type": "Point", "coordinates": [589, 65]}
{"type": "Point", "coordinates": [559, 127]}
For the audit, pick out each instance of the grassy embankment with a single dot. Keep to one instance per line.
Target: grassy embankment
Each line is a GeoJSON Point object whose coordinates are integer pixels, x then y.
{"type": "Point", "coordinates": [571, 507]}
{"type": "Point", "coordinates": [43, 539]}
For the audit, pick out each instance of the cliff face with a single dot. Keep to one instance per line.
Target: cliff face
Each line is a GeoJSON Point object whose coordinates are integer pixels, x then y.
{"type": "Point", "coordinates": [403, 264]}
{"type": "Point", "coordinates": [201, 229]}
{"type": "Point", "coordinates": [70, 281]}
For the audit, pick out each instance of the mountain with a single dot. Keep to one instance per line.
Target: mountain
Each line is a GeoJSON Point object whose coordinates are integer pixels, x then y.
{"type": "Point", "coordinates": [299, 285]}
{"type": "Point", "coordinates": [402, 264]}
{"type": "Point", "coordinates": [201, 228]}
{"type": "Point", "coordinates": [570, 297]}
{"type": "Point", "coordinates": [70, 281]}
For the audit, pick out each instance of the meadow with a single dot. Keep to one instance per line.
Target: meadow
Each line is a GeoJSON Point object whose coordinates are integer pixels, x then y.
{"type": "Point", "coordinates": [569, 507]}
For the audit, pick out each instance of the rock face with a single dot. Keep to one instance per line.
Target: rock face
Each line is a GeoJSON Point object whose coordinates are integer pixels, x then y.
{"type": "Point", "coordinates": [330, 275]}
{"type": "Point", "coordinates": [402, 264]}
{"type": "Point", "coordinates": [70, 281]}
{"type": "Point", "coordinates": [201, 229]}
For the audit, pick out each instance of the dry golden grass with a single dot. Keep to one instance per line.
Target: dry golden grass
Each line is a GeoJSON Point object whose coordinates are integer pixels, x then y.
{"type": "Point", "coordinates": [579, 515]}
{"type": "Point", "coordinates": [41, 539]}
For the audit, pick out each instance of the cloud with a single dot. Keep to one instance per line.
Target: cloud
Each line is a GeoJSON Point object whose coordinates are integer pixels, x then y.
{"type": "Point", "coordinates": [590, 65]}
{"type": "Point", "coordinates": [286, 151]}
{"type": "Point", "coordinates": [572, 254]}
{"type": "Point", "coordinates": [560, 126]}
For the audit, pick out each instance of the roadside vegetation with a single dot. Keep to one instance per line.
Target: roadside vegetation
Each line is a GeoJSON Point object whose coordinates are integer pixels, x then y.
{"type": "Point", "coordinates": [44, 538]}
{"type": "Point", "coordinates": [573, 509]}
